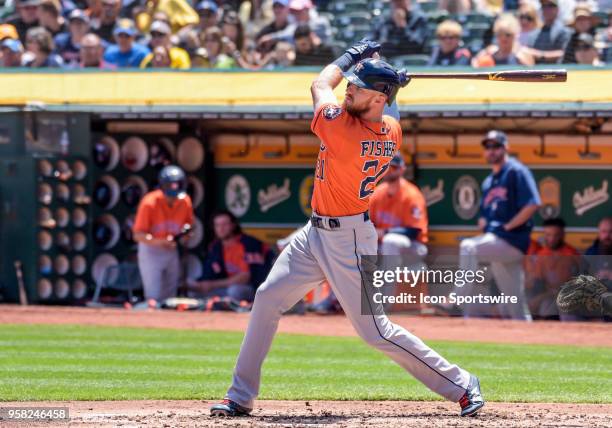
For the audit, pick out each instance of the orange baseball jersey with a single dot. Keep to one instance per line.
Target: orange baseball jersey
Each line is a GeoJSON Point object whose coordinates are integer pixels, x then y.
{"type": "Point", "coordinates": [234, 257]}
{"type": "Point", "coordinates": [353, 156]}
{"type": "Point", "coordinates": [156, 217]}
{"type": "Point", "coordinates": [405, 208]}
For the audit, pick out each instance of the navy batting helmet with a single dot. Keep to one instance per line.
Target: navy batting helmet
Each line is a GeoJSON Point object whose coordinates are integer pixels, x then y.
{"type": "Point", "coordinates": [377, 75]}
{"type": "Point", "coordinates": [172, 181]}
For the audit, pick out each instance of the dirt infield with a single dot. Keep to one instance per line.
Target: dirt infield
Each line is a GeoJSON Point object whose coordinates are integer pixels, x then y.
{"type": "Point", "coordinates": [427, 328]}
{"type": "Point", "coordinates": [345, 414]}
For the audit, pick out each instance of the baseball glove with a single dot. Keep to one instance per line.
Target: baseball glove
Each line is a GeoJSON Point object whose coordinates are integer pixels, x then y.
{"type": "Point", "coordinates": [582, 294]}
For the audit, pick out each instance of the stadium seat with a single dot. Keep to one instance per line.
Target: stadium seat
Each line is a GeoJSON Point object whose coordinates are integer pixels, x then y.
{"type": "Point", "coordinates": [338, 46]}
{"type": "Point", "coordinates": [603, 18]}
{"type": "Point", "coordinates": [409, 60]}
{"type": "Point", "coordinates": [353, 33]}
{"type": "Point", "coordinates": [353, 18]}
{"type": "Point", "coordinates": [476, 17]}
{"type": "Point", "coordinates": [343, 6]}
{"type": "Point", "coordinates": [437, 16]}
{"type": "Point", "coordinates": [476, 30]}
{"type": "Point", "coordinates": [428, 6]}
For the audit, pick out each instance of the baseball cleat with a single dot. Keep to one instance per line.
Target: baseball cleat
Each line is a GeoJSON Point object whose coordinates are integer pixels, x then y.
{"type": "Point", "coordinates": [472, 401]}
{"type": "Point", "coordinates": [228, 409]}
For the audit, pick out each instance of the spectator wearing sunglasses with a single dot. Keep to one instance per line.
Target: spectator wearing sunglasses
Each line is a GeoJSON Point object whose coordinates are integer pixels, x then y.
{"type": "Point", "coordinates": [126, 53]}
{"type": "Point", "coordinates": [529, 21]}
{"type": "Point", "coordinates": [584, 22]}
{"type": "Point", "coordinates": [160, 36]}
{"type": "Point", "coordinates": [507, 49]}
{"type": "Point", "coordinates": [585, 51]}
{"type": "Point", "coordinates": [449, 51]}
{"type": "Point", "coordinates": [547, 45]}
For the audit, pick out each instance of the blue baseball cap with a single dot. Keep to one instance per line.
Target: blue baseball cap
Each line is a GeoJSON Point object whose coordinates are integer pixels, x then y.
{"type": "Point", "coordinates": [78, 14]}
{"type": "Point", "coordinates": [13, 45]}
{"type": "Point", "coordinates": [284, 3]}
{"type": "Point", "coordinates": [125, 26]}
{"type": "Point", "coordinates": [495, 136]}
{"type": "Point", "coordinates": [207, 5]}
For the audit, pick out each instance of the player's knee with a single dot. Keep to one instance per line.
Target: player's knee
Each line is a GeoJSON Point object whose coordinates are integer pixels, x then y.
{"type": "Point", "coordinates": [395, 240]}
{"type": "Point", "coordinates": [377, 333]}
{"type": "Point", "coordinates": [467, 246]}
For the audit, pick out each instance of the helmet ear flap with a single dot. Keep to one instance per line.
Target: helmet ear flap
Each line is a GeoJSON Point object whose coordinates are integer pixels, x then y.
{"type": "Point", "coordinates": [392, 94]}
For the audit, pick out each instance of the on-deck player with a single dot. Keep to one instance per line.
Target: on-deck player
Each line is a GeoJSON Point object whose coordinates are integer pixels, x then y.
{"type": "Point", "coordinates": [357, 144]}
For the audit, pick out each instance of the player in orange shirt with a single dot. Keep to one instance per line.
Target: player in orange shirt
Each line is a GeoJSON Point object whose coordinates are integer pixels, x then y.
{"type": "Point", "coordinates": [553, 263]}
{"type": "Point", "coordinates": [162, 215]}
{"type": "Point", "coordinates": [236, 263]}
{"type": "Point", "coordinates": [357, 144]}
{"type": "Point", "coordinates": [399, 212]}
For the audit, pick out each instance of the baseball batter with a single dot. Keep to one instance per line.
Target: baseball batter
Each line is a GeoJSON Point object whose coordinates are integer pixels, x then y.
{"type": "Point", "coordinates": [357, 144]}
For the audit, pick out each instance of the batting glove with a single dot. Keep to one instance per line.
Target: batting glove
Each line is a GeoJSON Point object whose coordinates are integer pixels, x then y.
{"type": "Point", "coordinates": [363, 49]}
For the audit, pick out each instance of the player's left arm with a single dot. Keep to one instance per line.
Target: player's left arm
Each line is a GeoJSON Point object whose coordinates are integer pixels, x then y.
{"type": "Point", "coordinates": [322, 88]}
{"type": "Point", "coordinates": [528, 199]}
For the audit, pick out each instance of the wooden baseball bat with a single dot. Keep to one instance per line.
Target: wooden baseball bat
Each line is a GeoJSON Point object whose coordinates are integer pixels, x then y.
{"type": "Point", "coordinates": [543, 76]}
{"type": "Point", "coordinates": [23, 297]}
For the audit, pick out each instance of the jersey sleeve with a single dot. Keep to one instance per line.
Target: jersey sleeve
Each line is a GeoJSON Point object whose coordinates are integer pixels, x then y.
{"type": "Point", "coordinates": [416, 214]}
{"type": "Point", "coordinates": [526, 188]}
{"type": "Point", "coordinates": [329, 122]}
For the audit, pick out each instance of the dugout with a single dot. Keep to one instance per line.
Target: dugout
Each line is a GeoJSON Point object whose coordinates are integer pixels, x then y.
{"type": "Point", "coordinates": [78, 150]}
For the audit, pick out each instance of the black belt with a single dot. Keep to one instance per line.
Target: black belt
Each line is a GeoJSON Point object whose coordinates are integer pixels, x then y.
{"type": "Point", "coordinates": [334, 223]}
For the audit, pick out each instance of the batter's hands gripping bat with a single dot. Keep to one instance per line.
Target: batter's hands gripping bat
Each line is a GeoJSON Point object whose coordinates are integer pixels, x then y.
{"type": "Point", "coordinates": [23, 297]}
{"type": "Point", "coordinates": [541, 76]}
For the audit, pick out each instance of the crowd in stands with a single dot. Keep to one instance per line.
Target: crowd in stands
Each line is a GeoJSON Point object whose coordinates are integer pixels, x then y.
{"type": "Point", "coordinates": [269, 34]}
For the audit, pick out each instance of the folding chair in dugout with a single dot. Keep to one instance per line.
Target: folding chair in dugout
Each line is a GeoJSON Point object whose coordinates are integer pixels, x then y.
{"type": "Point", "coordinates": [123, 276]}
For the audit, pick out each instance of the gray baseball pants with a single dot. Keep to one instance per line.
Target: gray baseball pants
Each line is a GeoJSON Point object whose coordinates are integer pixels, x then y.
{"type": "Point", "coordinates": [507, 268]}
{"type": "Point", "coordinates": [317, 253]}
{"type": "Point", "coordinates": [160, 271]}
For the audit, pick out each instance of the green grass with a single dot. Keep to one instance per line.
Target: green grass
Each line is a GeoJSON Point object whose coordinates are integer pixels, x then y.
{"type": "Point", "coordinates": [45, 362]}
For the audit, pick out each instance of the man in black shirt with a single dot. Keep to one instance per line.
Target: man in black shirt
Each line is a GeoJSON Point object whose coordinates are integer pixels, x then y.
{"type": "Point", "coordinates": [405, 32]}
{"type": "Point", "coordinates": [549, 43]}
{"type": "Point", "coordinates": [281, 21]}
{"type": "Point", "coordinates": [108, 19]}
{"type": "Point", "coordinates": [308, 48]}
{"type": "Point", "coordinates": [25, 18]}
